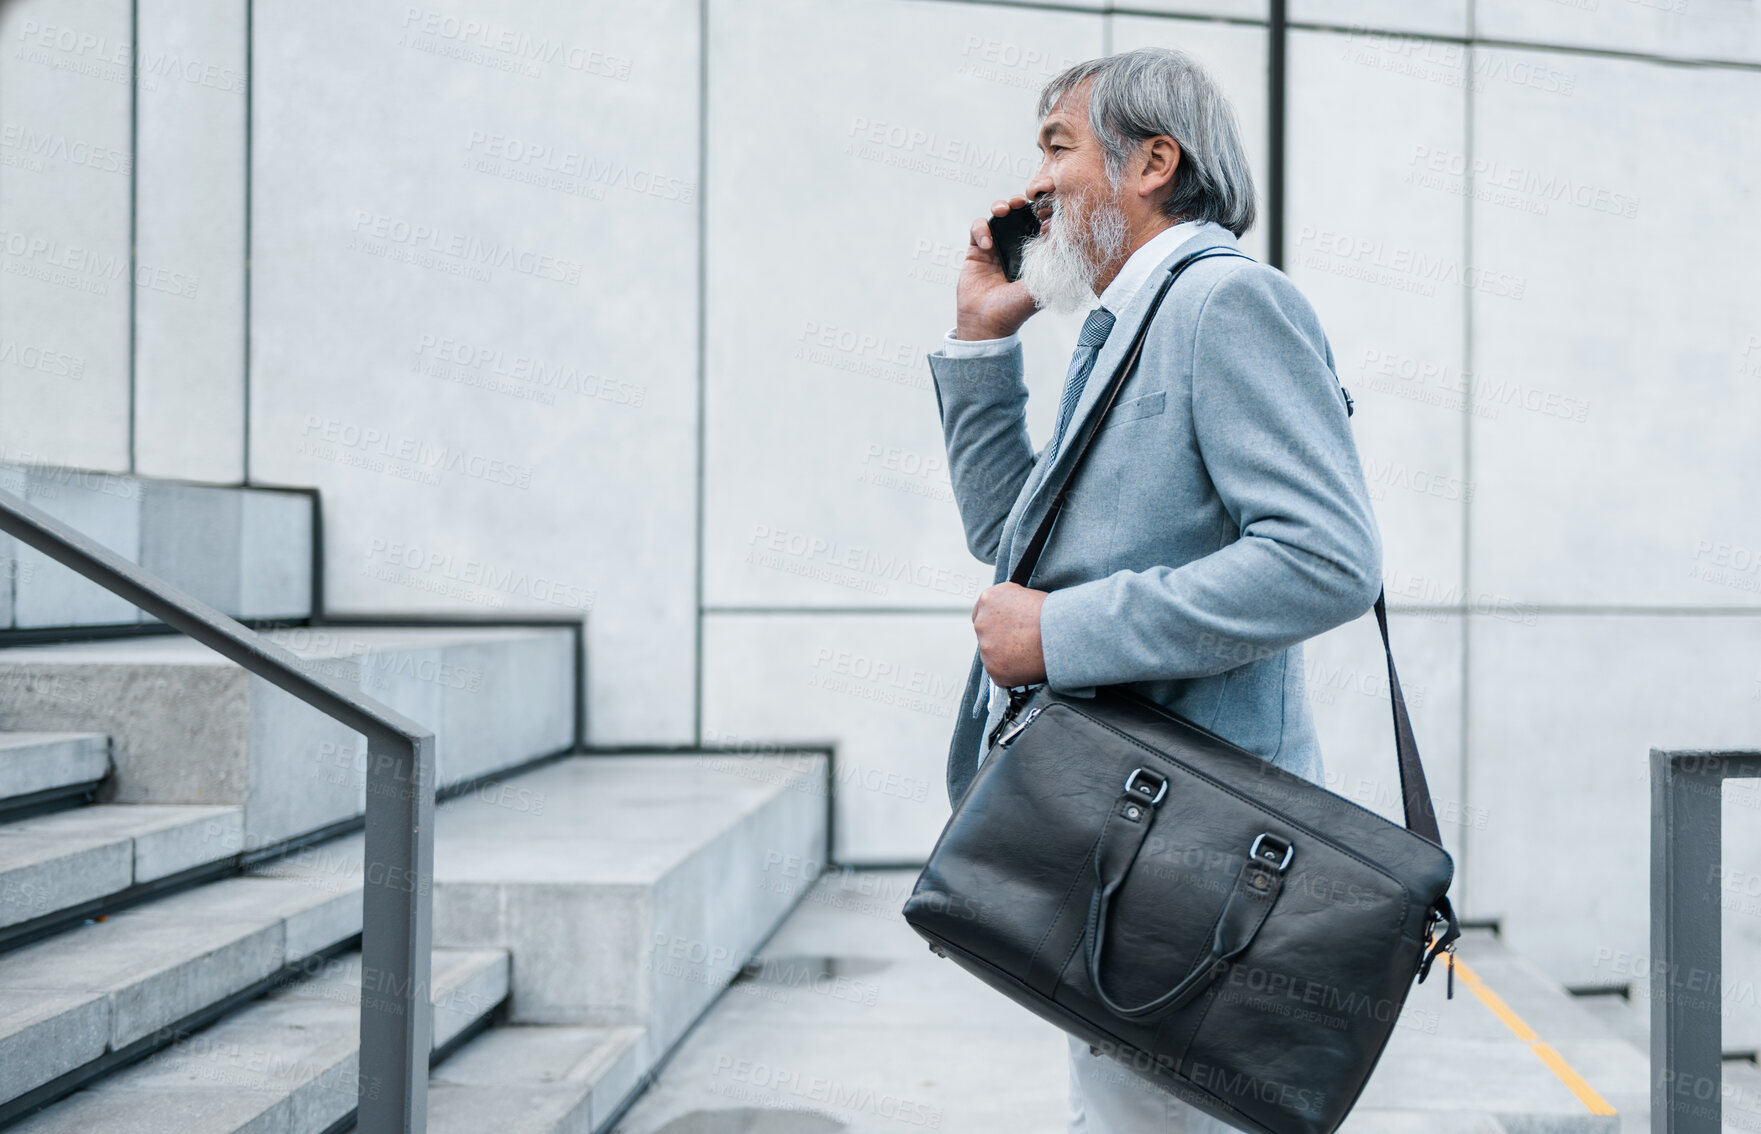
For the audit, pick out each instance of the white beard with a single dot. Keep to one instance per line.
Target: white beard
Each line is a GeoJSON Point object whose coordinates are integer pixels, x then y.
{"type": "Point", "coordinates": [1059, 267]}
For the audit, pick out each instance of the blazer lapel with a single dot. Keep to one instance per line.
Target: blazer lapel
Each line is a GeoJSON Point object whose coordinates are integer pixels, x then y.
{"type": "Point", "coordinates": [1107, 363]}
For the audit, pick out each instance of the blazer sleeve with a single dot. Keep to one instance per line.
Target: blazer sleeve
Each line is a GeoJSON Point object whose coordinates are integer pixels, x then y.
{"type": "Point", "coordinates": [1304, 555]}
{"type": "Point", "coordinates": [983, 406]}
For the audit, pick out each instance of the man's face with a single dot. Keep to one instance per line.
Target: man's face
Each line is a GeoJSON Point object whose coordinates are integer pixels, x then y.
{"type": "Point", "coordinates": [1083, 228]}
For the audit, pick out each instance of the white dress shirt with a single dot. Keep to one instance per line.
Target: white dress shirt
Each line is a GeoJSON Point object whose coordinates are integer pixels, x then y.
{"type": "Point", "coordinates": [1114, 297]}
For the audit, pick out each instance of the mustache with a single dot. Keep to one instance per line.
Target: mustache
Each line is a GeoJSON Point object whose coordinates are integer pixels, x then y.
{"type": "Point", "coordinates": [1050, 207]}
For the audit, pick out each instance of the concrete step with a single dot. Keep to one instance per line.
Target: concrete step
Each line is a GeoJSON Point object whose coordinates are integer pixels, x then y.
{"type": "Point", "coordinates": [288, 1063]}
{"type": "Point", "coordinates": [109, 985]}
{"type": "Point", "coordinates": [1630, 1018]}
{"type": "Point", "coordinates": [536, 1079]}
{"type": "Point", "coordinates": [57, 862]}
{"type": "Point", "coordinates": [1741, 1096]}
{"type": "Point", "coordinates": [189, 727]}
{"type": "Point", "coordinates": [629, 888]}
{"type": "Point", "coordinates": [630, 891]}
{"type": "Point", "coordinates": [245, 551]}
{"type": "Point", "coordinates": [38, 766]}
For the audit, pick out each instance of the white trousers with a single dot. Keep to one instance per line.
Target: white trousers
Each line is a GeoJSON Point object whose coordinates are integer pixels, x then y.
{"type": "Point", "coordinates": [1107, 1098]}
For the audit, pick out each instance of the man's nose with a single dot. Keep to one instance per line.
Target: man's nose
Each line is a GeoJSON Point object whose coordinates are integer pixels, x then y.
{"type": "Point", "coordinates": [1038, 185]}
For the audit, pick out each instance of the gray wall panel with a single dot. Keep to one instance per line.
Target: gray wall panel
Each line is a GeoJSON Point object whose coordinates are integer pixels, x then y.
{"type": "Point", "coordinates": [190, 209]}
{"type": "Point", "coordinates": [1432, 17]}
{"type": "Point", "coordinates": [474, 318]}
{"type": "Point", "coordinates": [65, 159]}
{"type": "Point", "coordinates": [1689, 29]}
{"type": "Point", "coordinates": [831, 269]}
{"type": "Point", "coordinates": [1626, 382]}
{"type": "Point", "coordinates": [1380, 255]}
{"type": "Point", "coordinates": [880, 689]}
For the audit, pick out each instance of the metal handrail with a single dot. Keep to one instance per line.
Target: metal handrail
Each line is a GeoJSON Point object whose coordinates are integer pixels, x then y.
{"type": "Point", "coordinates": [1687, 1057]}
{"type": "Point", "coordinates": [397, 895]}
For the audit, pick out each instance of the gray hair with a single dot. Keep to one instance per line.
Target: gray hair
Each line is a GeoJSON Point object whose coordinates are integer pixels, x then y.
{"type": "Point", "coordinates": [1158, 90]}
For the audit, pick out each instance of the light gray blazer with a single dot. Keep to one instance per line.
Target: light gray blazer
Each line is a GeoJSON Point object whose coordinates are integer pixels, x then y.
{"type": "Point", "coordinates": [1219, 518]}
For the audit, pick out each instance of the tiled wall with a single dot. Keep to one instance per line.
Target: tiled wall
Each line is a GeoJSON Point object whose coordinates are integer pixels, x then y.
{"type": "Point", "coordinates": [65, 176]}
{"type": "Point", "coordinates": [620, 310]}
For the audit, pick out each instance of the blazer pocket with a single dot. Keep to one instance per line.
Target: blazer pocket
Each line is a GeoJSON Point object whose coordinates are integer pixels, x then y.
{"type": "Point", "coordinates": [1147, 406]}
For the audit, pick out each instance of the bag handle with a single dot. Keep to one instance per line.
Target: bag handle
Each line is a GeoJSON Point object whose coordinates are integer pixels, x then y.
{"type": "Point", "coordinates": [1415, 793]}
{"type": "Point", "coordinates": [1258, 884]}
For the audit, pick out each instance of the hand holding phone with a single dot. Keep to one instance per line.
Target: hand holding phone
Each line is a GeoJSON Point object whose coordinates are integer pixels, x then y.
{"type": "Point", "coordinates": [1008, 232]}
{"type": "Point", "coordinates": [990, 301]}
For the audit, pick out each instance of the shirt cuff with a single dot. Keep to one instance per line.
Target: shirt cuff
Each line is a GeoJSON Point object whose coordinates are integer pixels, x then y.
{"type": "Point", "coordinates": [977, 348]}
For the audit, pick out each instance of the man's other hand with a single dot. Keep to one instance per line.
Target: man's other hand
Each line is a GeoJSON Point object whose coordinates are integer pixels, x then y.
{"type": "Point", "coordinates": [1006, 618]}
{"type": "Point", "coordinates": [986, 304]}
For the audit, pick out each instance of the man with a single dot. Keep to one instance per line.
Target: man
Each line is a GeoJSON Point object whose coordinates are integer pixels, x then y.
{"type": "Point", "coordinates": [1219, 518]}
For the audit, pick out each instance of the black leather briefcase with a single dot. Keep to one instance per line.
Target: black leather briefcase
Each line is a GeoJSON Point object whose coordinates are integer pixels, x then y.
{"type": "Point", "coordinates": [1232, 932]}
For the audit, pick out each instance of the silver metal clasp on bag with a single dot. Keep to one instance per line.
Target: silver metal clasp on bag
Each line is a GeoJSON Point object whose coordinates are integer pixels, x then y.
{"type": "Point", "coordinates": [1269, 854]}
{"type": "Point", "coordinates": [1014, 730]}
{"type": "Point", "coordinates": [1018, 696]}
{"type": "Point", "coordinates": [1151, 793]}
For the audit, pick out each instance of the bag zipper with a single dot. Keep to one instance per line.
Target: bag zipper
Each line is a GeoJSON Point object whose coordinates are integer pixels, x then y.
{"type": "Point", "coordinates": [1014, 730]}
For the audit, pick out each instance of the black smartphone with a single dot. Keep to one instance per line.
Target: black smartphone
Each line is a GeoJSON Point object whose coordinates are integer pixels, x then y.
{"type": "Point", "coordinates": [1007, 234]}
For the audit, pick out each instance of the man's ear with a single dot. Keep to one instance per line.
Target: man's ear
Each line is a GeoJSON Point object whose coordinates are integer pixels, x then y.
{"type": "Point", "coordinates": [1160, 162]}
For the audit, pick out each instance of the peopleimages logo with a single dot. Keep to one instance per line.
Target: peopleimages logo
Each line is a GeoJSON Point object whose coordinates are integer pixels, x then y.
{"type": "Point", "coordinates": [509, 581]}
{"type": "Point", "coordinates": [1400, 266]}
{"type": "Point", "coordinates": [1485, 394]}
{"type": "Point", "coordinates": [1223, 1081]}
{"type": "Point", "coordinates": [28, 145]}
{"type": "Point", "coordinates": [466, 36]}
{"type": "Point", "coordinates": [509, 371]}
{"type": "Point", "coordinates": [464, 248]}
{"type": "Point", "coordinates": [85, 269]}
{"type": "Point", "coordinates": [874, 139]}
{"type": "Point", "coordinates": [1543, 188]}
{"type": "Point", "coordinates": [567, 167]}
{"type": "Point", "coordinates": [413, 452]}
{"type": "Point", "coordinates": [771, 547]}
{"type": "Point", "coordinates": [54, 363]}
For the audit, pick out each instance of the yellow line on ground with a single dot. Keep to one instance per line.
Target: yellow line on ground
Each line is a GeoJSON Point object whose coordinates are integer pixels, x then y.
{"type": "Point", "coordinates": [1555, 1062]}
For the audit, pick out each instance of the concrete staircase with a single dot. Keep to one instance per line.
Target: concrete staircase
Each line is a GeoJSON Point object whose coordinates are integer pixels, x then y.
{"type": "Point", "coordinates": [159, 979]}
{"type": "Point", "coordinates": [593, 908]}
{"type": "Point", "coordinates": [181, 876]}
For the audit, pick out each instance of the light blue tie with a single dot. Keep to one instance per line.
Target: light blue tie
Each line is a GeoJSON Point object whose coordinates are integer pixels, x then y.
{"type": "Point", "coordinates": [1094, 333]}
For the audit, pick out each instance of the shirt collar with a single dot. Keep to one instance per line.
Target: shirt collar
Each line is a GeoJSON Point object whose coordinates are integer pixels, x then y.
{"type": "Point", "coordinates": [1116, 295]}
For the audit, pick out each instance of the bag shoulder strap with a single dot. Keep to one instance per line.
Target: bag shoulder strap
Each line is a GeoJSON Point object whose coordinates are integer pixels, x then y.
{"type": "Point", "coordinates": [1415, 793]}
{"type": "Point", "coordinates": [1030, 555]}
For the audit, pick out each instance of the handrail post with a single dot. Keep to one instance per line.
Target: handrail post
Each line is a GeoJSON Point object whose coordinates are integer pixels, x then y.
{"type": "Point", "coordinates": [1687, 1067]}
{"type": "Point", "coordinates": [396, 1007]}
